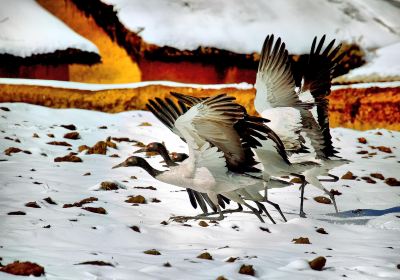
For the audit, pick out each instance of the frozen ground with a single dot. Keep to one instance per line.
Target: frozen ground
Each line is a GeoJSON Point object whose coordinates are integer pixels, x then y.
{"type": "Point", "coordinates": [241, 26]}
{"type": "Point", "coordinates": [27, 29]}
{"type": "Point", "coordinates": [362, 244]}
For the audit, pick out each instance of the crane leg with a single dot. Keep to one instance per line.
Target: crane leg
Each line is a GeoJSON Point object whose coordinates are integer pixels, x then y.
{"type": "Point", "coordinates": [200, 217]}
{"type": "Point", "coordinates": [334, 178]}
{"type": "Point", "coordinates": [277, 207]}
{"type": "Point", "coordinates": [260, 205]}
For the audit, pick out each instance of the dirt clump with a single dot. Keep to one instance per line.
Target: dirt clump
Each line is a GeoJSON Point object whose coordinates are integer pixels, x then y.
{"type": "Point", "coordinates": [99, 263]}
{"type": "Point", "coordinates": [135, 228]}
{"type": "Point", "coordinates": [72, 135]}
{"type": "Point", "coordinates": [321, 231]}
{"type": "Point", "coordinates": [12, 150]}
{"type": "Point", "coordinates": [377, 176]}
{"type": "Point", "coordinates": [348, 176]}
{"type": "Point", "coordinates": [203, 224]}
{"type": "Point", "coordinates": [317, 263]}
{"type": "Point", "coordinates": [296, 180]}
{"type": "Point", "coordinates": [97, 210]}
{"type": "Point", "coordinates": [82, 148]}
{"type": "Point", "coordinates": [99, 148]}
{"type": "Point", "coordinates": [384, 149]}
{"type": "Point", "coordinates": [108, 186]}
{"type": "Point", "coordinates": [322, 199]}
{"type": "Point", "coordinates": [69, 126]}
{"type": "Point", "coordinates": [153, 252]}
{"type": "Point", "coordinates": [32, 204]}
{"type": "Point", "coordinates": [81, 203]}
{"type": "Point", "coordinates": [362, 140]}
{"type": "Point", "coordinates": [393, 182]}
{"type": "Point", "coordinates": [59, 143]}
{"type": "Point", "coordinates": [205, 256]}
{"type": "Point", "coordinates": [23, 269]}
{"type": "Point", "coordinates": [146, 188]}
{"type": "Point", "coordinates": [369, 180]}
{"type": "Point", "coordinates": [136, 199]}
{"type": "Point", "coordinates": [301, 240]}
{"type": "Point", "coordinates": [49, 200]}
{"type": "Point", "coordinates": [247, 270]}
{"type": "Point", "coordinates": [16, 213]}
{"type": "Point", "coordinates": [68, 158]}
{"type": "Point", "coordinates": [145, 124]}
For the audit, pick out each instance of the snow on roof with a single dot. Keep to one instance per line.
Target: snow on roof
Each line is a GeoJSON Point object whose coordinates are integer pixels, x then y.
{"type": "Point", "coordinates": [384, 64]}
{"type": "Point", "coordinates": [27, 29]}
{"type": "Point", "coordinates": [241, 26]}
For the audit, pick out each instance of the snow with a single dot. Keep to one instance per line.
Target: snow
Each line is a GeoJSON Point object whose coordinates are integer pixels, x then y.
{"type": "Point", "coordinates": [359, 244]}
{"type": "Point", "coordinates": [27, 29]}
{"type": "Point", "coordinates": [95, 87]}
{"type": "Point", "coordinates": [241, 26]}
{"type": "Point", "coordinates": [383, 64]}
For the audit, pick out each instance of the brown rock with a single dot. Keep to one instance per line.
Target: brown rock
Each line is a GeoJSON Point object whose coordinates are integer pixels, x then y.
{"type": "Point", "coordinates": [35, 135]}
{"type": "Point", "coordinates": [205, 256]}
{"type": "Point", "coordinates": [317, 263]}
{"type": "Point", "coordinates": [155, 200]}
{"type": "Point", "coordinates": [152, 252]}
{"type": "Point", "coordinates": [140, 144]}
{"type": "Point", "coordinates": [393, 182]}
{"type": "Point", "coordinates": [362, 140]}
{"type": "Point", "coordinates": [265, 229]}
{"type": "Point", "coordinates": [16, 213]}
{"type": "Point", "coordinates": [335, 192]}
{"type": "Point", "coordinates": [111, 144]}
{"type": "Point", "coordinates": [114, 156]}
{"type": "Point", "coordinates": [322, 199]}
{"type": "Point", "coordinates": [27, 152]}
{"type": "Point", "coordinates": [99, 148]}
{"type": "Point", "coordinates": [82, 202]}
{"type": "Point", "coordinates": [348, 176]}
{"type": "Point", "coordinates": [49, 200]}
{"type": "Point", "coordinates": [82, 148]}
{"type": "Point", "coordinates": [32, 204]}
{"type": "Point", "coordinates": [384, 149]}
{"type": "Point", "coordinates": [301, 240]}
{"type": "Point", "coordinates": [68, 158]}
{"type": "Point", "coordinates": [108, 186]}
{"type": "Point", "coordinates": [221, 277]}
{"type": "Point", "coordinates": [146, 188]}
{"type": "Point", "coordinates": [247, 269]}
{"type": "Point", "coordinates": [102, 127]}
{"type": "Point", "coordinates": [23, 269]}
{"type": "Point", "coordinates": [121, 139]}
{"type": "Point", "coordinates": [87, 174]}
{"type": "Point", "coordinates": [296, 180]}
{"type": "Point", "coordinates": [145, 124]}
{"type": "Point", "coordinates": [203, 224]}
{"type": "Point", "coordinates": [59, 143]}
{"type": "Point", "coordinates": [69, 126]}
{"type": "Point", "coordinates": [167, 264]}
{"type": "Point", "coordinates": [368, 180]}
{"type": "Point", "coordinates": [135, 228]}
{"type": "Point", "coordinates": [99, 263]}
{"type": "Point", "coordinates": [136, 199]}
{"type": "Point", "coordinates": [321, 231]}
{"type": "Point", "coordinates": [50, 135]}
{"type": "Point", "coordinates": [98, 210]}
{"type": "Point", "coordinates": [5, 109]}
{"type": "Point", "coordinates": [377, 176]}
{"type": "Point", "coordinates": [72, 135]}
{"type": "Point", "coordinates": [362, 152]}
{"type": "Point", "coordinates": [231, 259]}
{"type": "Point", "coordinates": [12, 150]}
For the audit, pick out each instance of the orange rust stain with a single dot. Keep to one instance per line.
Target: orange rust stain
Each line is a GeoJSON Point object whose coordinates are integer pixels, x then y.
{"type": "Point", "coordinates": [116, 66]}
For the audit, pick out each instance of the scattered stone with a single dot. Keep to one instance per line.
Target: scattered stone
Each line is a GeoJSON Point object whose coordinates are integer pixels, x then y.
{"type": "Point", "coordinates": [368, 180]}
{"type": "Point", "coordinates": [321, 231]}
{"type": "Point", "coordinates": [393, 182]}
{"type": "Point", "coordinates": [122, 139]}
{"type": "Point", "coordinates": [99, 148]}
{"type": "Point", "coordinates": [301, 240]}
{"type": "Point", "coordinates": [135, 228]}
{"type": "Point", "coordinates": [136, 199]}
{"type": "Point", "coordinates": [16, 213]}
{"type": "Point", "coordinates": [49, 200]}
{"type": "Point", "coordinates": [37, 183]}
{"type": "Point", "coordinates": [167, 264]}
{"type": "Point", "coordinates": [322, 199]}
{"type": "Point", "coordinates": [87, 174]}
{"type": "Point", "coordinates": [164, 223]}
{"type": "Point", "coordinates": [247, 270]}
{"type": "Point", "coordinates": [362, 152]}
{"type": "Point", "coordinates": [145, 124]}
{"type": "Point", "coordinates": [317, 263]}
{"type": "Point", "coordinates": [98, 210]}
{"type": "Point", "coordinates": [43, 154]}
{"type": "Point", "coordinates": [362, 140]}
{"type": "Point", "coordinates": [102, 127]}
{"type": "Point", "coordinates": [82, 148]}
{"type": "Point", "coordinates": [50, 135]}
{"type": "Point", "coordinates": [203, 224]}
{"type": "Point", "coordinates": [348, 176]}
{"type": "Point", "coordinates": [17, 140]}
{"type": "Point", "coordinates": [231, 260]}
{"type": "Point", "coordinates": [145, 188]}
{"type": "Point", "coordinates": [114, 156]}
{"type": "Point", "coordinates": [12, 150]}
{"type": "Point", "coordinates": [296, 180]}
{"type": "Point", "coordinates": [108, 186]}
{"type": "Point", "coordinates": [140, 144]}
{"type": "Point", "coordinates": [265, 229]}
{"type": "Point", "coordinates": [5, 109]}
{"type": "Point", "coordinates": [205, 256]}
{"type": "Point", "coordinates": [48, 226]}
{"type": "Point", "coordinates": [384, 149]}
{"type": "Point", "coordinates": [377, 176]}
{"type": "Point", "coordinates": [68, 158]}
{"type": "Point", "coordinates": [23, 269]}
{"type": "Point", "coordinates": [152, 252]}
{"type": "Point", "coordinates": [32, 204]}
{"type": "Point", "coordinates": [155, 200]}
{"type": "Point", "coordinates": [59, 143]}
{"type": "Point", "coordinates": [69, 126]}
{"type": "Point", "coordinates": [72, 135]}
{"type": "Point", "coordinates": [110, 143]}
{"type": "Point", "coordinates": [99, 263]}
{"type": "Point", "coordinates": [82, 202]}
{"type": "Point", "coordinates": [221, 277]}
{"type": "Point", "coordinates": [335, 192]}
{"type": "Point", "coordinates": [133, 177]}
{"type": "Point", "coordinates": [27, 152]}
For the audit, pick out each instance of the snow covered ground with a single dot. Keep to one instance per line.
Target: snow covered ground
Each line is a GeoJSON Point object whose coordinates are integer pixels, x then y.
{"type": "Point", "coordinates": [27, 29]}
{"type": "Point", "coordinates": [241, 26]}
{"type": "Point", "coordinates": [360, 244]}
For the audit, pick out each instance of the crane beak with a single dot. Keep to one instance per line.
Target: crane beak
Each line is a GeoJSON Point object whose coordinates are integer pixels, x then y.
{"type": "Point", "coordinates": [143, 150]}
{"type": "Point", "coordinates": [122, 164]}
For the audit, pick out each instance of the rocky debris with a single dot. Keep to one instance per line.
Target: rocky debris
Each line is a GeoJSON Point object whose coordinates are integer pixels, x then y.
{"type": "Point", "coordinates": [108, 186]}
{"type": "Point", "coordinates": [348, 176]}
{"type": "Point", "coordinates": [68, 158]}
{"type": "Point", "coordinates": [139, 144]}
{"type": "Point", "coordinates": [122, 139]}
{"type": "Point", "coordinates": [82, 148]}
{"type": "Point", "coordinates": [16, 213]}
{"type": "Point", "coordinates": [321, 231]}
{"type": "Point", "coordinates": [69, 126]}
{"type": "Point", "coordinates": [377, 176]}
{"type": "Point", "coordinates": [102, 127]}
{"type": "Point", "coordinates": [231, 259]}
{"type": "Point", "coordinates": [48, 226]}
{"type": "Point", "coordinates": [296, 180]}
{"type": "Point", "coordinates": [393, 182]}
{"type": "Point", "coordinates": [135, 228]}
{"type": "Point", "coordinates": [152, 252]}
{"type": "Point", "coordinates": [167, 264]}
{"type": "Point", "coordinates": [99, 263]}
{"type": "Point", "coordinates": [145, 124]}
{"type": "Point", "coordinates": [32, 204]}
{"type": "Point", "coordinates": [221, 277]}
{"type": "Point", "coordinates": [362, 140]}
{"type": "Point", "coordinates": [205, 256]}
{"type": "Point", "coordinates": [145, 188]}
{"type": "Point", "coordinates": [114, 156]}
{"type": "Point", "coordinates": [50, 135]}
{"type": "Point", "coordinates": [247, 269]}
{"type": "Point", "coordinates": [49, 200]}
{"type": "Point", "coordinates": [164, 223]}
{"type": "Point", "coordinates": [27, 152]}
{"type": "Point", "coordinates": [99, 148]}
{"type": "Point", "coordinates": [133, 177]}
{"type": "Point", "coordinates": [81, 203]}
{"type": "Point", "coordinates": [317, 263]}
{"type": "Point", "coordinates": [384, 149]}
{"type": "Point", "coordinates": [203, 224]}
{"type": "Point", "coordinates": [301, 240]}
{"type": "Point", "coordinates": [23, 269]}
{"type": "Point", "coordinates": [87, 174]}
{"type": "Point", "coordinates": [335, 192]}
{"type": "Point", "coordinates": [98, 210]}
{"type": "Point", "coordinates": [362, 152]}
{"type": "Point", "coordinates": [72, 135]}
{"type": "Point", "coordinates": [155, 200]}
{"type": "Point", "coordinates": [5, 109]}
{"type": "Point", "coordinates": [12, 150]}
{"type": "Point", "coordinates": [322, 199]}
{"type": "Point", "coordinates": [59, 143]}
{"type": "Point", "coordinates": [368, 180]}
{"type": "Point", "coordinates": [265, 229]}
{"type": "Point", "coordinates": [136, 199]}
